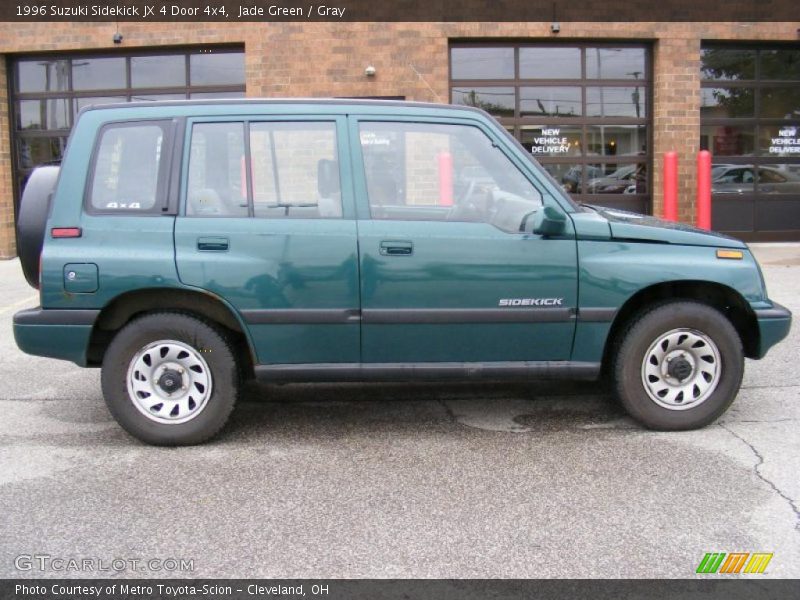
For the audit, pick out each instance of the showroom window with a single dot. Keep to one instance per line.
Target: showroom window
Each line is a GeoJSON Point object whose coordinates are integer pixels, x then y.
{"type": "Point", "coordinates": [750, 122]}
{"type": "Point", "coordinates": [48, 91]}
{"type": "Point", "coordinates": [582, 110]}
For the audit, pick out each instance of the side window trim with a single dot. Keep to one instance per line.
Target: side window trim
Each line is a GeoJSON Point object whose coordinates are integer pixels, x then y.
{"type": "Point", "coordinates": [248, 173]}
{"type": "Point", "coordinates": [161, 206]}
{"type": "Point", "coordinates": [173, 195]}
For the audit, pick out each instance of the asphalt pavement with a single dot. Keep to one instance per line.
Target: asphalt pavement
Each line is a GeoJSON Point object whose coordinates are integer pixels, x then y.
{"type": "Point", "coordinates": [450, 481]}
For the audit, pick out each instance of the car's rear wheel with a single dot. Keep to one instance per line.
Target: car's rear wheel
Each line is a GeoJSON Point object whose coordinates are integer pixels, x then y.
{"type": "Point", "coordinates": [679, 366]}
{"type": "Point", "coordinates": [170, 379]}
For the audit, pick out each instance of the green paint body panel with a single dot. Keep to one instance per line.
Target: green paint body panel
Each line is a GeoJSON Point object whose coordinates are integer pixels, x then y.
{"type": "Point", "coordinates": [611, 272]}
{"type": "Point", "coordinates": [602, 260]}
{"type": "Point", "coordinates": [131, 253]}
{"type": "Point", "coordinates": [772, 331]}
{"type": "Point", "coordinates": [65, 342]}
{"type": "Point", "coordinates": [590, 340]}
{"type": "Point", "coordinates": [280, 264]}
{"type": "Point", "coordinates": [463, 266]}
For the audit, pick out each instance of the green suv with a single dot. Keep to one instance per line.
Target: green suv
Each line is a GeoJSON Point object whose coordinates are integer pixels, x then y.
{"type": "Point", "coordinates": [186, 247]}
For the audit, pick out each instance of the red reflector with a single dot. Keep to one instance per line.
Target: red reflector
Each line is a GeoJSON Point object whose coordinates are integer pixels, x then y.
{"type": "Point", "coordinates": [65, 232]}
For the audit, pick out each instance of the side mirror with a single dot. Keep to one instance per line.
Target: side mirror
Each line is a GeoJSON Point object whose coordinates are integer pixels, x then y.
{"type": "Point", "coordinates": [549, 222]}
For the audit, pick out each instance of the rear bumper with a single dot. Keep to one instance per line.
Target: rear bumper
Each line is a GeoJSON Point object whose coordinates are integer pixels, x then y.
{"type": "Point", "coordinates": [62, 334]}
{"type": "Point", "coordinates": [773, 325]}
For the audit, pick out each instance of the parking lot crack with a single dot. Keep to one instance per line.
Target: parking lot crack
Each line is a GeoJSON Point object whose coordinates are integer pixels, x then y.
{"type": "Point", "coordinates": [760, 475]}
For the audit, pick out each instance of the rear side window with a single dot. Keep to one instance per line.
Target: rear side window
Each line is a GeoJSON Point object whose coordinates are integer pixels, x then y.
{"type": "Point", "coordinates": [129, 168]}
{"type": "Point", "coordinates": [292, 171]}
{"type": "Point", "coordinates": [295, 170]}
{"type": "Point", "coordinates": [217, 185]}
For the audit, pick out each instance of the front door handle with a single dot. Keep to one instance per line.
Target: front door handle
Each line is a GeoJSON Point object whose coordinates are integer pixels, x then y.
{"type": "Point", "coordinates": [396, 248]}
{"type": "Point", "coordinates": [212, 244]}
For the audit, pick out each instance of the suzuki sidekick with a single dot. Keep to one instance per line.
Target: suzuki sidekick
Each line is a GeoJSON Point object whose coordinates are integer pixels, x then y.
{"type": "Point", "coordinates": [185, 247]}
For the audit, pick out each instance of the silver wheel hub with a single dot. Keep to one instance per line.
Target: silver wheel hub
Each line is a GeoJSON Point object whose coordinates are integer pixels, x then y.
{"type": "Point", "coordinates": [681, 369]}
{"type": "Point", "coordinates": [169, 382]}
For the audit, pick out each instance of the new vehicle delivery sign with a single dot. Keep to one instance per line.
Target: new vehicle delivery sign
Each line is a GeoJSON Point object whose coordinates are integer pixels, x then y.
{"type": "Point", "coordinates": [550, 141]}
{"type": "Point", "coordinates": [787, 141]}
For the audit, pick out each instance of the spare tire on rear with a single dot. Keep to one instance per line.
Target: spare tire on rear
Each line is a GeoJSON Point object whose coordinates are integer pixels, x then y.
{"type": "Point", "coordinates": [32, 220]}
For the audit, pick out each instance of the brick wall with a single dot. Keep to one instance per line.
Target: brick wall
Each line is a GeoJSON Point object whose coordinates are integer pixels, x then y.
{"type": "Point", "coordinates": [328, 59]}
{"type": "Point", "coordinates": [676, 117]}
{"type": "Point", "coordinates": [8, 245]}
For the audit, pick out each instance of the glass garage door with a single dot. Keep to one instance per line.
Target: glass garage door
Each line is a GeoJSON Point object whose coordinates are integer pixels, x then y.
{"type": "Point", "coordinates": [48, 91]}
{"type": "Point", "coordinates": [750, 122]}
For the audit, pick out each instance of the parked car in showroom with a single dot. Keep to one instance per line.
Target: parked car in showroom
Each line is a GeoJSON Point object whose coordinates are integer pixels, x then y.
{"type": "Point", "coordinates": [741, 179]}
{"type": "Point", "coordinates": [571, 180]}
{"type": "Point", "coordinates": [620, 181]}
{"type": "Point", "coordinates": [185, 247]}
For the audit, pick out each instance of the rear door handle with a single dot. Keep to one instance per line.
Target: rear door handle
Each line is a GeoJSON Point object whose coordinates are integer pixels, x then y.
{"type": "Point", "coordinates": [212, 244]}
{"type": "Point", "coordinates": [396, 248]}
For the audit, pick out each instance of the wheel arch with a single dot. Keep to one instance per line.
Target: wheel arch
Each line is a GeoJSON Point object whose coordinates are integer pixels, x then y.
{"type": "Point", "coordinates": [117, 313]}
{"type": "Point", "coordinates": [719, 296]}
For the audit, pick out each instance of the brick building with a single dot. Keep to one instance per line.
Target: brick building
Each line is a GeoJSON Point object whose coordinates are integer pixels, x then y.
{"type": "Point", "coordinates": [598, 103]}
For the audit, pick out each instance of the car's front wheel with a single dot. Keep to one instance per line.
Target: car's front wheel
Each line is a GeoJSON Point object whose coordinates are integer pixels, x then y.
{"type": "Point", "coordinates": [170, 379]}
{"type": "Point", "coordinates": [679, 366]}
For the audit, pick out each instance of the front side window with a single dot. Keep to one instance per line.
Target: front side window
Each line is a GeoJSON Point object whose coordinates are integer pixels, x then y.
{"type": "Point", "coordinates": [442, 172]}
{"type": "Point", "coordinates": [127, 167]}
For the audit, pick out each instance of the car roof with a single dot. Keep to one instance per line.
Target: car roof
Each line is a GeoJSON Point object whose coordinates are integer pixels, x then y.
{"type": "Point", "coordinates": [192, 107]}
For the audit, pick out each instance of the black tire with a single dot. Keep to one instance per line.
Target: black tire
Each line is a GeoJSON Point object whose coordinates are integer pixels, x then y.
{"type": "Point", "coordinates": [208, 341]}
{"type": "Point", "coordinates": [637, 341]}
{"type": "Point", "coordinates": [34, 208]}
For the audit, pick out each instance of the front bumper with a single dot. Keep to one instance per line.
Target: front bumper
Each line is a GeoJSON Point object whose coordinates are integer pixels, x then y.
{"type": "Point", "coordinates": [62, 334]}
{"type": "Point", "coordinates": [773, 325]}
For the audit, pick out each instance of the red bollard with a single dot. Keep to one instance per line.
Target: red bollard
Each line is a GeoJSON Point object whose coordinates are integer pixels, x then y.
{"type": "Point", "coordinates": [445, 179]}
{"type": "Point", "coordinates": [670, 186]}
{"type": "Point", "coordinates": [704, 189]}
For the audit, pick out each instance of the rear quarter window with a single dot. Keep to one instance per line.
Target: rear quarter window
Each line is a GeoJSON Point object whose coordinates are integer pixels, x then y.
{"type": "Point", "coordinates": [129, 168]}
